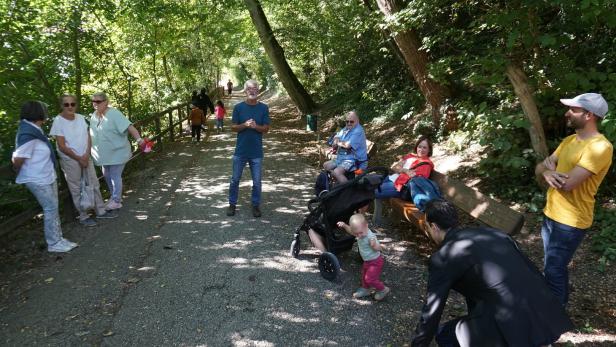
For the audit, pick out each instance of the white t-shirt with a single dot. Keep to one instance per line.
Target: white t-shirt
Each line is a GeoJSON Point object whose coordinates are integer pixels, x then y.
{"type": "Point", "coordinates": [75, 133]}
{"type": "Point", "coordinates": [38, 167]}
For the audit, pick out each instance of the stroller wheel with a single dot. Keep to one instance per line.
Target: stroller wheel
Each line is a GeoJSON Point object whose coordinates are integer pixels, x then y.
{"type": "Point", "coordinates": [294, 251]}
{"type": "Point", "coordinates": [329, 266]}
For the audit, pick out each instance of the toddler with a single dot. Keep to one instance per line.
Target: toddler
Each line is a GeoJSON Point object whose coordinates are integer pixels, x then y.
{"type": "Point", "coordinates": [370, 251]}
{"type": "Point", "coordinates": [219, 111]}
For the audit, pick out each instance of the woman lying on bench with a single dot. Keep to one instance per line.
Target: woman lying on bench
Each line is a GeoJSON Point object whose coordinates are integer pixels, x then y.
{"type": "Point", "coordinates": [411, 178]}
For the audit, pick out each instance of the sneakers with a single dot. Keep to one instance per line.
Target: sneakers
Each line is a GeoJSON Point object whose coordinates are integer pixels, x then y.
{"type": "Point", "coordinates": [88, 222]}
{"type": "Point", "coordinates": [380, 295]}
{"type": "Point", "coordinates": [107, 215]}
{"type": "Point", "coordinates": [231, 210]}
{"type": "Point", "coordinates": [256, 212]}
{"type": "Point", "coordinates": [361, 292]}
{"type": "Point", "coordinates": [61, 246]}
{"type": "Point", "coordinates": [113, 205]}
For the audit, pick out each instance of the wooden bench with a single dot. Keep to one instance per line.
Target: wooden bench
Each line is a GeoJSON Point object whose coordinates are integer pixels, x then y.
{"type": "Point", "coordinates": [481, 207]}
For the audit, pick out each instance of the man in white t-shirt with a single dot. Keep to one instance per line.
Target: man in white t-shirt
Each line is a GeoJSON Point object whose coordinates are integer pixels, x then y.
{"type": "Point", "coordinates": [74, 144]}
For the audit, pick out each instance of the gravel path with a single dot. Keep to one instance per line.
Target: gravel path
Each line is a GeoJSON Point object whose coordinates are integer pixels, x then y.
{"type": "Point", "coordinates": [173, 269]}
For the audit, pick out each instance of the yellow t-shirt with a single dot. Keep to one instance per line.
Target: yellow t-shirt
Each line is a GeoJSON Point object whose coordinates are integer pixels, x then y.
{"type": "Point", "coordinates": [575, 208]}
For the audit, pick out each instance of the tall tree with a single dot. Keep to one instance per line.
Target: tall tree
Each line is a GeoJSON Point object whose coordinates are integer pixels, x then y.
{"type": "Point", "coordinates": [293, 86]}
{"type": "Point", "coordinates": [417, 60]}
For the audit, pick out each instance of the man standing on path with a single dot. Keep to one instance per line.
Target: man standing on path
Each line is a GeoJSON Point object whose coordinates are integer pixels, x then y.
{"type": "Point", "coordinates": [573, 172]}
{"type": "Point", "coordinates": [250, 120]}
{"type": "Point", "coordinates": [507, 298]}
{"type": "Point", "coordinates": [230, 87]}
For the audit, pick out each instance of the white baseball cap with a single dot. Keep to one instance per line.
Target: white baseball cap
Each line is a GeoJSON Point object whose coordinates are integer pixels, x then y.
{"type": "Point", "coordinates": [591, 102]}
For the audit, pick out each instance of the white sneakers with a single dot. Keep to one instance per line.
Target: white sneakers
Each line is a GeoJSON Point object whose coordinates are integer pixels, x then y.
{"type": "Point", "coordinates": [62, 246]}
{"type": "Point", "coordinates": [113, 205]}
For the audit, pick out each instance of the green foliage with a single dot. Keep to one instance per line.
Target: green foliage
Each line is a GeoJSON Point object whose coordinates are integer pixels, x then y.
{"type": "Point", "coordinates": [604, 241]}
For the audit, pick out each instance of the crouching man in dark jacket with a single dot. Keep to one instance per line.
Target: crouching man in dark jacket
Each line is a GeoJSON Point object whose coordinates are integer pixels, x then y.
{"type": "Point", "coordinates": [507, 298]}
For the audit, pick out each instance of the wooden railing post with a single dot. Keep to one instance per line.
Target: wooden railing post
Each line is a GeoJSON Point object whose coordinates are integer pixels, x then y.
{"type": "Point", "coordinates": [170, 114]}
{"type": "Point", "coordinates": [159, 136]}
{"type": "Point", "coordinates": [180, 122]}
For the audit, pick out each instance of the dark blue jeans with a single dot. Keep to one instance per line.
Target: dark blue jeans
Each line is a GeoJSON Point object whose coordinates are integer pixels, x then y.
{"type": "Point", "coordinates": [255, 170]}
{"type": "Point", "coordinates": [422, 191]}
{"type": "Point", "coordinates": [559, 244]}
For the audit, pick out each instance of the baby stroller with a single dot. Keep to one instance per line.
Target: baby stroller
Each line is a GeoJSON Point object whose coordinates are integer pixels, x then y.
{"type": "Point", "coordinates": [333, 206]}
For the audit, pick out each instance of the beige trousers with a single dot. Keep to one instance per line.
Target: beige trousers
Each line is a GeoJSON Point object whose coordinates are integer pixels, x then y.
{"type": "Point", "coordinates": [72, 172]}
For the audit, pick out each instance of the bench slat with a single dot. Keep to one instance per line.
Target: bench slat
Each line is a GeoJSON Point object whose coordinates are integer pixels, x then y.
{"type": "Point", "coordinates": [478, 205]}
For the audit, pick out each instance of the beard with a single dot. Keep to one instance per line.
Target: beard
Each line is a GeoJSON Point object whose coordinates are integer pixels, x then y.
{"type": "Point", "coordinates": [575, 124]}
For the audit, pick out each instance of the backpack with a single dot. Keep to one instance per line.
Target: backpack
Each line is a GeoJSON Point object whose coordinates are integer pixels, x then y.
{"type": "Point", "coordinates": [322, 183]}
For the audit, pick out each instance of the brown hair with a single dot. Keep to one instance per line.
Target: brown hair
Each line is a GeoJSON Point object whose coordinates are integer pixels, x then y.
{"type": "Point", "coordinates": [421, 139]}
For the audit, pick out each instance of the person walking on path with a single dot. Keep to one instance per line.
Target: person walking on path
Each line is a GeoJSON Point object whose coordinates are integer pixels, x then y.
{"type": "Point", "coordinates": [507, 298]}
{"type": "Point", "coordinates": [220, 111]}
{"type": "Point", "coordinates": [250, 120]}
{"type": "Point", "coordinates": [74, 146]}
{"type": "Point", "coordinates": [35, 163]}
{"type": "Point", "coordinates": [205, 103]}
{"type": "Point", "coordinates": [197, 119]}
{"type": "Point", "coordinates": [573, 173]}
{"type": "Point", "coordinates": [229, 87]}
{"type": "Point", "coordinates": [110, 146]}
{"type": "Point", "coordinates": [370, 251]}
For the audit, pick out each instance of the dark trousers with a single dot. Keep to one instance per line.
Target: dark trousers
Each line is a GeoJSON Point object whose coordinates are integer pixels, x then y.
{"type": "Point", "coordinates": [195, 130]}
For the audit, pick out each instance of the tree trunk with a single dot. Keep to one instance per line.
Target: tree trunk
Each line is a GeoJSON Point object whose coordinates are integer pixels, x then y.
{"type": "Point", "coordinates": [76, 27]}
{"type": "Point", "coordinates": [167, 74]}
{"type": "Point", "coordinates": [523, 91]}
{"type": "Point", "coordinates": [293, 86]}
{"type": "Point", "coordinates": [417, 61]}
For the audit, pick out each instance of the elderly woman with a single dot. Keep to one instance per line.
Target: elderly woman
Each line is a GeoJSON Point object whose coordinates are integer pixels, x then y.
{"type": "Point", "coordinates": [74, 147]}
{"type": "Point", "coordinates": [110, 146]}
{"type": "Point", "coordinates": [34, 161]}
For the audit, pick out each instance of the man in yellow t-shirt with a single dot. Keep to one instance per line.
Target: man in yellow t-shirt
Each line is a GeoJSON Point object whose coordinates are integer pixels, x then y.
{"type": "Point", "coordinates": [573, 172]}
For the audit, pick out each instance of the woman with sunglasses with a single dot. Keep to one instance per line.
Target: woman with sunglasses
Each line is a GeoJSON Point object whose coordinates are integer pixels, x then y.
{"type": "Point", "coordinates": [74, 146]}
{"type": "Point", "coordinates": [110, 147]}
{"type": "Point", "coordinates": [35, 162]}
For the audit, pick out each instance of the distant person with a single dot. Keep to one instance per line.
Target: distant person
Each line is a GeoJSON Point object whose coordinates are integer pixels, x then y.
{"type": "Point", "coordinates": [370, 251]}
{"type": "Point", "coordinates": [412, 176]}
{"type": "Point", "coordinates": [74, 146]}
{"type": "Point", "coordinates": [205, 103]}
{"type": "Point", "coordinates": [34, 161]}
{"type": "Point", "coordinates": [110, 147]}
{"type": "Point", "coordinates": [229, 87]}
{"type": "Point", "coordinates": [351, 150]}
{"type": "Point", "coordinates": [250, 120]}
{"type": "Point", "coordinates": [507, 298]}
{"type": "Point", "coordinates": [220, 111]}
{"type": "Point", "coordinates": [573, 172]}
{"type": "Point", "coordinates": [197, 120]}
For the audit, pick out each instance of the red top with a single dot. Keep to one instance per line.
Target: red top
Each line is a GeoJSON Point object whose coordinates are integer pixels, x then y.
{"type": "Point", "coordinates": [220, 112]}
{"type": "Point", "coordinates": [421, 170]}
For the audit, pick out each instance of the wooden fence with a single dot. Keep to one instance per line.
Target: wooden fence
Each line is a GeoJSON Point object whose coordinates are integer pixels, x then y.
{"type": "Point", "coordinates": [160, 126]}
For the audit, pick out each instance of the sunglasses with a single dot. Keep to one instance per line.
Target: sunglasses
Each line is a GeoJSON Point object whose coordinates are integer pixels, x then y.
{"type": "Point", "coordinates": [350, 121]}
{"type": "Point", "coordinates": [98, 101]}
{"type": "Point", "coordinates": [72, 104]}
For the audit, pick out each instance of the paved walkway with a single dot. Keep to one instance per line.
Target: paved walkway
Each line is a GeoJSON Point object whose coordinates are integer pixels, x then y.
{"type": "Point", "coordinates": [173, 269]}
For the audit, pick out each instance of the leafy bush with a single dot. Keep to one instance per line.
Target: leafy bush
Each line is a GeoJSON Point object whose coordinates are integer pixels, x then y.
{"type": "Point", "coordinates": [604, 241]}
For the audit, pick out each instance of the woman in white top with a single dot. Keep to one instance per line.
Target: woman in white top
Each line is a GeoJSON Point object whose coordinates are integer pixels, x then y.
{"type": "Point", "coordinates": [34, 161]}
{"type": "Point", "coordinates": [74, 145]}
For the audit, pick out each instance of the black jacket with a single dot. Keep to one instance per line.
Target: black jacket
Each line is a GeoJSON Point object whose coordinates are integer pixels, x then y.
{"type": "Point", "coordinates": [204, 102]}
{"type": "Point", "coordinates": [508, 300]}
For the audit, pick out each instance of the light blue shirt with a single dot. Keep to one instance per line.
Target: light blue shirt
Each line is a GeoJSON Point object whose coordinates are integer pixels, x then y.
{"type": "Point", "coordinates": [110, 144]}
{"type": "Point", "coordinates": [358, 151]}
{"type": "Point", "coordinates": [366, 252]}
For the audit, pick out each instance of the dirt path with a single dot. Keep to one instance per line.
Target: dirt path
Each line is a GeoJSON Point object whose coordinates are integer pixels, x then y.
{"type": "Point", "coordinates": [173, 269]}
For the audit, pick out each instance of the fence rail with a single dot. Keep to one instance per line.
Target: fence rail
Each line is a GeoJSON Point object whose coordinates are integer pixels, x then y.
{"type": "Point", "coordinates": [175, 116]}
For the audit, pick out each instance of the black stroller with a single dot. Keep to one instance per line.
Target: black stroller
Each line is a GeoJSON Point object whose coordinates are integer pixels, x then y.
{"type": "Point", "coordinates": [333, 206]}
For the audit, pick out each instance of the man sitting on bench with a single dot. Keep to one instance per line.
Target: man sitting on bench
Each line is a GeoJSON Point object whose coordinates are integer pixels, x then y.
{"type": "Point", "coordinates": [352, 153]}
